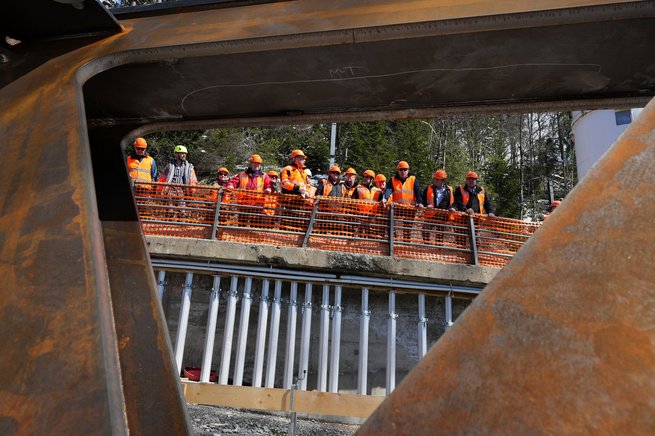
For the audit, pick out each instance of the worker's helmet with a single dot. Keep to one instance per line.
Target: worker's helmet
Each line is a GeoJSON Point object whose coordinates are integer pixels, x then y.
{"type": "Point", "coordinates": [369, 173]}
{"type": "Point", "coordinates": [255, 158]}
{"type": "Point", "coordinates": [180, 149]}
{"type": "Point", "coordinates": [472, 175]}
{"type": "Point", "coordinates": [351, 171]}
{"type": "Point", "coordinates": [440, 174]}
{"type": "Point", "coordinates": [273, 174]}
{"type": "Point", "coordinates": [555, 203]}
{"type": "Point", "coordinates": [380, 178]}
{"type": "Point", "coordinates": [402, 165]}
{"type": "Point", "coordinates": [223, 170]}
{"type": "Point", "coordinates": [296, 153]}
{"type": "Point", "coordinates": [334, 169]}
{"type": "Point", "coordinates": [140, 143]}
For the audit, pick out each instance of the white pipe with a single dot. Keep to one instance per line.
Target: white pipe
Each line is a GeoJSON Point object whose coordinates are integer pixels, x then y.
{"type": "Point", "coordinates": [210, 333]}
{"type": "Point", "coordinates": [305, 337]}
{"type": "Point", "coordinates": [183, 322]}
{"type": "Point", "coordinates": [226, 352]}
{"type": "Point", "coordinates": [261, 336]}
{"type": "Point", "coordinates": [273, 337]}
{"type": "Point", "coordinates": [323, 340]}
{"type": "Point", "coordinates": [291, 337]}
{"type": "Point", "coordinates": [449, 311]}
{"type": "Point", "coordinates": [243, 332]}
{"type": "Point", "coordinates": [161, 283]}
{"type": "Point", "coordinates": [422, 327]}
{"type": "Point", "coordinates": [364, 319]}
{"type": "Point", "coordinates": [391, 344]}
{"type": "Point", "coordinates": [336, 341]}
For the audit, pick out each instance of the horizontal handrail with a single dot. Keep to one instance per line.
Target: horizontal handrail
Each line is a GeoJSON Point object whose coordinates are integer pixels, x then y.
{"type": "Point", "coordinates": [328, 223]}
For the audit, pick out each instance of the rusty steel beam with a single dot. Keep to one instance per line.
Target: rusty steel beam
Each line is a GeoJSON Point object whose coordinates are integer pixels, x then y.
{"type": "Point", "coordinates": [562, 341]}
{"type": "Point", "coordinates": [84, 347]}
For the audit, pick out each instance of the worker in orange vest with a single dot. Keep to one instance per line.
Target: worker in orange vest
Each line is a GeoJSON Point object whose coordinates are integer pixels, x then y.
{"type": "Point", "coordinates": [275, 179]}
{"type": "Point", "coordinates": [223, 178]}
{"type": "Point", "coordinates": [252, 179]}
{"type": "Point", "coordinates": [351, 182]}
{"type": "Point", "coordinates": [472, 198]}
{"type": "Point", "coordinates": [332, 186]}
{"type": "Point", "coordinates": [141, 166]}
{"type": "Point", "coordinates": [293, 177]}
{"type": "Point", "coordinates": [551, 208]}
{"type": "Point", "coordinates": [405, 193]}
{"type": "Point", "coordinates": [365, 190]}
{"type": "Point", "coordinates": [381, 184]}
{"type": "Point", "coordinates": [437, 196]}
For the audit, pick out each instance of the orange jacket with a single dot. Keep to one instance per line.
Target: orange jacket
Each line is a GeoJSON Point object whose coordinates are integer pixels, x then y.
{"type": "Point", "coordinates": [292, 179]}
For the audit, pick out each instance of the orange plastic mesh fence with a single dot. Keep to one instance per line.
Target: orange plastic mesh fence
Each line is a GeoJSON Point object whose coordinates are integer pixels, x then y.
{"type": "Point", "coordinates": [326, 223]}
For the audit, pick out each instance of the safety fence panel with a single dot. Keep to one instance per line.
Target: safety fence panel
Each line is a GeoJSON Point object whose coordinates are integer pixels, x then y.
{"type": "Point", "coordinates": [328, 223]}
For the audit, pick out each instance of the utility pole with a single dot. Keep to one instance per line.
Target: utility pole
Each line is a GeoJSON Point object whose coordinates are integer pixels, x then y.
{"type": "Point", "coordinates": [333, 143]}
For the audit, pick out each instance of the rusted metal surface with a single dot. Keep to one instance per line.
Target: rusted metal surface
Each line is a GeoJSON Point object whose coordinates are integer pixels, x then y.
{"type": "Point", "coordinates": [71, 331]}
{"type": "Point", "coordinates": [562, 340]}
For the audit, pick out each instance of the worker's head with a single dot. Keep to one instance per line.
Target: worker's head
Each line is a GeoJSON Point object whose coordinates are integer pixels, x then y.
{"type": "Point", "coordinates": [180, 152]}
{"type": "Point", "coordinates": [403, 169]}
{"type": "Point", "coordinates": [223, 173]}
{"type": "Point", "coordinates": [439, 178]}
{"type": "Point", "coordinates": [255, 162]}
{"type": "Point", "coordinates": [140, 146]}
{"type": "Point", "coordinates": [351, 176]}
{"type": "Point", "coordinates": [274, 176]}
{"type": "Point", "coordinates": [367, 177]}
{"type": "Point", "coordinates": [381, 181]}
{"type": "Point", "coordinates": [553, 205]}
{"type": "Point", "coordinates": [334, 173]}
{"type": "Point", "coordinates": [471, 179]}
{"type": "Point", "coordinates": [298, 158]}
{"type": "Point", "coordinates": [308, 175]}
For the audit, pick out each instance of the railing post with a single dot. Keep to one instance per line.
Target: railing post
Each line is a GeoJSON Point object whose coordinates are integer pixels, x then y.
{"type": "Point", "coordinates": [364, 318]}
{"type": "Point", "coordinates": [391, 230]}
{"type": "Point", "coordinates": [336, 341]}
{"type": "Point", "coordinates": [321, 384]}
{"type": "Point", "coordinates": [161, 284]}
{"type": "Point", "coordinates": [422, 327]}
{"type": "Point", "coordinates": [226, 352]}
{"type": "Point", "coordinates": [242, 339]}
{"type": "Point", "coordinates": [261, 336]}
{"type": "Point", "coordinates": [210, 334]}
{"type": "Point", "coordinates": [391, 344]}
{"type": "Point", "coordinates": [310, 226]}
{"type": "Point", "coordinates": [474, 246]}
{"type": "Point", "coordinates": [217, 214]}
{"type": "Point", "coordinates": [449, 311]}
{"type": "Point", "coordinates": [305, 336]}
{"type": "Point", "coordinates": [292, 317]}
{"type": "Point", "coordinates": [183, 321]}
{"type": "Point", "coordinates": [271, 362]}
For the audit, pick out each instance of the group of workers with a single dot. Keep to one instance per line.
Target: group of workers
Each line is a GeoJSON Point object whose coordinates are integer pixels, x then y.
{"type": "Point", "coordinates": [403, 188]}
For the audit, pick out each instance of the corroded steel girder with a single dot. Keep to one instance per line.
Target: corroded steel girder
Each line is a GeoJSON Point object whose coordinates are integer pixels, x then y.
{"type": "Point", "coordinates": [84, 348]}
{"type": "Point", "coordinates": [562, 341]}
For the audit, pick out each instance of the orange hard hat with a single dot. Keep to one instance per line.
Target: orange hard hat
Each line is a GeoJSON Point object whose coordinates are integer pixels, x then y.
{"type": "Point", "coordinates": [140, 143]}
{"type": "Point", "coordinates": [472, 175]}
{"type": "Point", "coordinates": [402, 165]}
{"type": "Point", "coordinates": [440, 174]}
{"type": "Point", "coordinates": [380, 178]}
{"type": "Point", "coordinates": [255, 158]}
{"type": "Point", "coordinates": [273, 174]}
{"type": "Point", "coordinates": [369, 173]}
{"type": "Point", "coordinates": [555, 203]}
{"type": "Point", "coordinates": [351, 171]}
{"type": "Point", "coordinates": [296, 153]}
{"type": "Point", "coordinates": [223, 170]}
{"type": "Point", "coordinates": [335, 169]}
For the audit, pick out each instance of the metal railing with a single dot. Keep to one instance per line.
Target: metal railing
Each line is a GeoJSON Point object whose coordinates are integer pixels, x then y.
{"type": "Point", "coordinates": [328, 223]}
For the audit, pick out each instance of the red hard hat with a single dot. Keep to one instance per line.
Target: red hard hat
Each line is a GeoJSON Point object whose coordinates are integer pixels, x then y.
{"type": "Point", "coordinates": [440, 174]}
{"type": "Point", "coordinates": [140, 143]}
{"type": "Point", "coordinates": [255, 158]}
{"type": "Point", "coordinates": [402, 165]}
{"type": "Point", "coordinates": [472, 175]}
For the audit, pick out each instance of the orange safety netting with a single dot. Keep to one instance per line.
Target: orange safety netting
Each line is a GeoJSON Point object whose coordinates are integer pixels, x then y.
{"type": "Point", "coordinates": [326, 223]}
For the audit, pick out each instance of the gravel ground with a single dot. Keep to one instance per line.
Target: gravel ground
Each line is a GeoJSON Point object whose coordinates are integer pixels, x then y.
{"type": "Point", "coordinates": [210, 421]}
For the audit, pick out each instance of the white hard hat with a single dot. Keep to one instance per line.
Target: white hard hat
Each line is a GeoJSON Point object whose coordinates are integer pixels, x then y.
{"type": "Point", "coordinates": [308, 172]}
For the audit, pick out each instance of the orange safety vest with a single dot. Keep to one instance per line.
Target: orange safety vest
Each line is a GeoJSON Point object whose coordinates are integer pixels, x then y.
{"type": "Point", "coordinates": [328, 187]}
{"type": "Point", "coordinates": [363, 193]}
{"type": "Point", "coordinates": [403, 193]}
{"type": "Point", "coordinates": [292, 176]}
{"type": "Point", "coordinates": [349, 191]}
{"type": "Point", "coordinates": [140, 170]}
{"type": "Point", "coordinates": [465, 197]}
{"type": "Point", "coordinates": [243, 181]}
{"type": "Point", "coordinates": [377, 193]}
{"type": "Point", "coordinates": [430, 195]}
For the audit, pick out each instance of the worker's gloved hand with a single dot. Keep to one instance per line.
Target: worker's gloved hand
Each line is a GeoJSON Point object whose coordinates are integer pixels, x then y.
{"type": "Point", "coordinates": [301, 191]}
{"type": "Point", "coordinates": [267, 191]}
{"type": "Point", "coordinates": [491, 215]}
{"type": "Point", "coordinates": [470, 211]}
